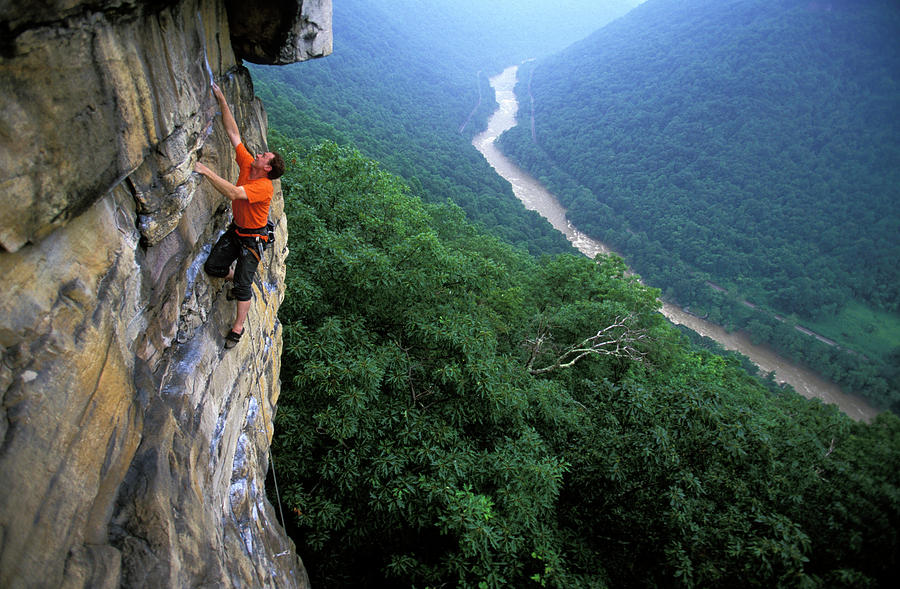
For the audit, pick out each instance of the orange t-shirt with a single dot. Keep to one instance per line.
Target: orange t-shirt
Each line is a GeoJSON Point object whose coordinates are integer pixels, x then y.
{"type": "Point", "coordinates": [252, 213]}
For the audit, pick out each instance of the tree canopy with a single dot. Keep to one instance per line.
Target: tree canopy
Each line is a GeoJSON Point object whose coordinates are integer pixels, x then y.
{"type": "Point", "coordinates": [416, 448]}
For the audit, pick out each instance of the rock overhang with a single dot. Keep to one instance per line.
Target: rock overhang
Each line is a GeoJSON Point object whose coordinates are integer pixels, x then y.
{"type": "Point", "coordinates": [280, 32]}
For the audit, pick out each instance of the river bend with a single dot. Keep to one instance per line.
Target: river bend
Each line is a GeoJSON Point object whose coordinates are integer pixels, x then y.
{"type": "Point", "coordinates": [535, 197]}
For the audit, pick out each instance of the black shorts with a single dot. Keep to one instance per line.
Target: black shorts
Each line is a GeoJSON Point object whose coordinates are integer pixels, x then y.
{"type": "Point", "coordinates": [230, 247]}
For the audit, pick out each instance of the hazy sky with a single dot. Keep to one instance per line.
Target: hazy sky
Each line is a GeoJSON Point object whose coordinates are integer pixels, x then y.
{"type": "Point", "coordinates": [511, 30]}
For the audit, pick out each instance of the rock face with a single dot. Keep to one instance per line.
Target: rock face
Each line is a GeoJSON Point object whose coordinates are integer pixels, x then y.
{"type": "Point", "coordinates": [134, 448]}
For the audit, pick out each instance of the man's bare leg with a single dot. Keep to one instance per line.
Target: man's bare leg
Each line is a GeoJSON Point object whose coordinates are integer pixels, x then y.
{"type": "Point", "coordinates": [243, 307]}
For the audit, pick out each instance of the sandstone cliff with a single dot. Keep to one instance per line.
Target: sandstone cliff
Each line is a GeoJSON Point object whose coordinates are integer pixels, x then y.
{"type": "Point", "coordinates": [134, 448]}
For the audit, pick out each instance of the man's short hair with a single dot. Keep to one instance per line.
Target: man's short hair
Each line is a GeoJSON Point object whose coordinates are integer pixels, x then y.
{"type": "Point", "coordinates": [277, 164]}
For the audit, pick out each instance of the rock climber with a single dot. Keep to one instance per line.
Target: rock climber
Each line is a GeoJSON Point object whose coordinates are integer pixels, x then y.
{"type": "Point", "coordinates": [250, 197]}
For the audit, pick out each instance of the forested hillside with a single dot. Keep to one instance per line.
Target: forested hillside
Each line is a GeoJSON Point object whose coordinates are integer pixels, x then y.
{"type": "Point", "coordinates": [458, 413]}
{"type": "Point", "coordinates": [407, 85]}
{"type": "Point", "coordinates": [744, 155]}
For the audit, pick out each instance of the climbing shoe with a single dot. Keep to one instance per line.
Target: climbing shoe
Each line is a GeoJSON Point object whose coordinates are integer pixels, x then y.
{"type": "Point", "coordinates": [233, 338]}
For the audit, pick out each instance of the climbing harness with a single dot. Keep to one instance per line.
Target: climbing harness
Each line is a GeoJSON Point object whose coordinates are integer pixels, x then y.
{"type": "Point", "coordinates": [252, 239]}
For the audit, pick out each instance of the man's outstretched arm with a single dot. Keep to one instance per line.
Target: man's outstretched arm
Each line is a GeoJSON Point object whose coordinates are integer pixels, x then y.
{"type": "Point", "coordinates": [231, 128]}
{"type": "Point", "coordinates": [225, 187]}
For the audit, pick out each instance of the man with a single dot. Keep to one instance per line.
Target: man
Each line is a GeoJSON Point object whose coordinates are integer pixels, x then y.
{"type": "Point", "coordinates": [250, 198]}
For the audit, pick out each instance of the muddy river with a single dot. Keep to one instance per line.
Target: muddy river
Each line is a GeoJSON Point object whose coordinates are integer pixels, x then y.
{"type": "Point", "coordinates": [535, 197]}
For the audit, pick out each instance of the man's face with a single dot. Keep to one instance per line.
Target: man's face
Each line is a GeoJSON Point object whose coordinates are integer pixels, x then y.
{"type": "Point", "coordinates": [263, 160]}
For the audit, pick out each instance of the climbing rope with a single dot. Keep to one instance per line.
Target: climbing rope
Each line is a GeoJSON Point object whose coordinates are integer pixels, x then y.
{"type": "Point", "coordinates": [263, 401]}
{"type": "Point", "coordinates": [257, 372]}
{"type": "Point", "coordinates": [202, 32]}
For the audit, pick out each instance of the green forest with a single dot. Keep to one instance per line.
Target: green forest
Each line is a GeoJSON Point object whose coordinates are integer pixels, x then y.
{"type": "Point", "coordinates": [744, 156]}
{"type": "Point", "coordinates": [457, 412]}
{"type": "Point", "coordinates": [466, 402]}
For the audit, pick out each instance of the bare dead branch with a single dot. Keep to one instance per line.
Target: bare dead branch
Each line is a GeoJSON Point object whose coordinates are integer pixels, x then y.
{"type": "Point", "coordinates": [415, 396]}
{"type": "Point", "coordinates": [619, 339]}
{"type": "Point", "coordinates": [830, 449]}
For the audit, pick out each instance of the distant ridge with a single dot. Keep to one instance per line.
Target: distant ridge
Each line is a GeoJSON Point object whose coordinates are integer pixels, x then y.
{"type": "Point", "coordinates": [748, 143]}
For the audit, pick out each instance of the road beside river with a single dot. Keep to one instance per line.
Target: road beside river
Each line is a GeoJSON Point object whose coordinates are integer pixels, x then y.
{"type": "Point", "coordinates": [535, 197]}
